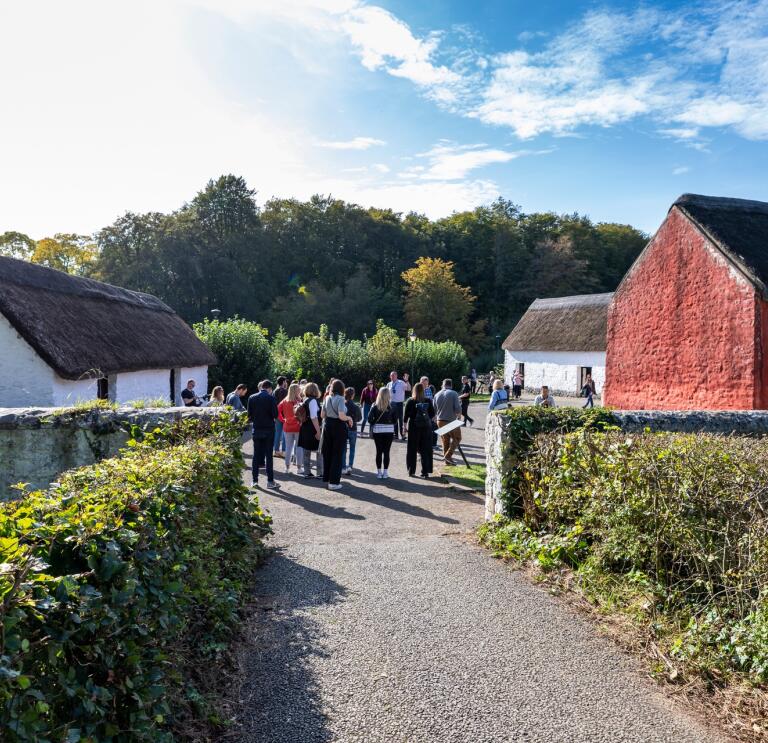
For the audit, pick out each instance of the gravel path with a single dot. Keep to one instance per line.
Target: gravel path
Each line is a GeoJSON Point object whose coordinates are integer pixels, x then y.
{"type": "Point", "coordinates": [378, 620]}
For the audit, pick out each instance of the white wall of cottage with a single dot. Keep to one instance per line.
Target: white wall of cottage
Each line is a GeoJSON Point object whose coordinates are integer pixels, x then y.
{"type": "Point", "coordinates": [557, 369]}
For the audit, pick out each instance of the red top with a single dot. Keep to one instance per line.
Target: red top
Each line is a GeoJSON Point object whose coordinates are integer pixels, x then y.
{"type": "Point", "coordinates": [285, 413]}
{"type": "Point", "coordinates": [368, 395]}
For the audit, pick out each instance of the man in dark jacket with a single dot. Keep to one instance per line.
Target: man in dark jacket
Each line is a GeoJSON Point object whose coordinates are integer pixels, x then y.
{"type": "Point", "coordinates": [262, 413]}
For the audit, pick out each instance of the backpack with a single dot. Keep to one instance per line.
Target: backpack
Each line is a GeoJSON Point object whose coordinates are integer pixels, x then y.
{"type": "Point", "coordinates": [421, 417]}
{"type": "Point", "coordinates": [301, 413]}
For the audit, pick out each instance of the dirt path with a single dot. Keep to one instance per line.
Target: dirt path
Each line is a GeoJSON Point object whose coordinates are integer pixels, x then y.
{"type": "Point", "coordinates": [378, 620]}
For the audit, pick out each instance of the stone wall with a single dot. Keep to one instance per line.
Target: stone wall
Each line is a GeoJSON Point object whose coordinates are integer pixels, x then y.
{"type": "Point", "coordinates": [741, 422]}
{"type": "Point", "coordinates": [38, 444]}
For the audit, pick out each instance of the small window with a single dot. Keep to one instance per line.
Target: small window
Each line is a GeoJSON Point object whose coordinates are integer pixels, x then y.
{"type": "Point", "coordinates": [102, 388]}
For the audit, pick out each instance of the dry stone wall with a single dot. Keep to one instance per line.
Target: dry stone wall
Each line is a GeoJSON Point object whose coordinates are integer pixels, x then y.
{"type": "Point", "coordinates": [740, 422]}
{"type": "Point", "coordinates": [38, 444]}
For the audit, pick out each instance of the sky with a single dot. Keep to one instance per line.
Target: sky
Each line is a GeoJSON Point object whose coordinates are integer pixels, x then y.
{"type": "Point", "coordinates": [607, 109]}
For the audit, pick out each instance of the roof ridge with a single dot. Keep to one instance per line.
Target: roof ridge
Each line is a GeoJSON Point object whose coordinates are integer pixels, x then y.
{"type": "Point", "coordinates": [576, 300]}
{"type": "Point", "coordinates": [721, 202]}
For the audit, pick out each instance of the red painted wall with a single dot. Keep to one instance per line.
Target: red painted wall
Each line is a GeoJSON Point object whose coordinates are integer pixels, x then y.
{"type": "Point", "coordinates": [684, 329]}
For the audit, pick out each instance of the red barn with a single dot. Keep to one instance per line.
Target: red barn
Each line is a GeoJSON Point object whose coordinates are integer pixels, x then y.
{"type": "Point", "coordinates": [688, 325]}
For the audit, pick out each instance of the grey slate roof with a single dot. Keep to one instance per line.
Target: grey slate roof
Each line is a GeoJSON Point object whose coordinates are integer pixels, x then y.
{"type": "Point", "coordinates": [562, 324]}
{"type": "Point", "coordinates": [738, 227]}
{"type": "Point", "coordinates": [85, 328]}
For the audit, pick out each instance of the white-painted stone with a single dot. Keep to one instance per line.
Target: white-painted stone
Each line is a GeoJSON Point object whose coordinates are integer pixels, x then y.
{"type": "Point", "coordinates": [25, 379]}
{"type": "Point", "coordinates": [141, 385]}
{"type": "Point", "coordinates": [67, 392]}
{"type": "Point", "coordinates": [557, 369]}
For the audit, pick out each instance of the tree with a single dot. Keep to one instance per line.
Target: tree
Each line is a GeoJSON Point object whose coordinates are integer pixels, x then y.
{"type": "Point", "coordinates": [437, 307]}
{"type": "Point", "coordinates": [16, 245]}
{"type": "Point", "coordinates": [66, 252]}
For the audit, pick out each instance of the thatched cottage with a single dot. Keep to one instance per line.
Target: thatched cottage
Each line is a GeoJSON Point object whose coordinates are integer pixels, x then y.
{"type": "Point", "coordinates": [558, 342]}
{"type": "Point", "coordinates": [688, 326]}
{"type": "Point", "coordinates": [65, 339]}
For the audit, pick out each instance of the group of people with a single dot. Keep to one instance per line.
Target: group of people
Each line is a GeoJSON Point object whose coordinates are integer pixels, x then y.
{"type": "Point", "coordinates": [295, 420]}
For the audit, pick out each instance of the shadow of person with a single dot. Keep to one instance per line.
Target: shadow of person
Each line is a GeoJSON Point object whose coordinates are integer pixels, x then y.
{"type": "Point", "coordinates": [376, 497]}
{"type": "Point", "coordinates": [280, 697]}
{"type": "Point", "coordinates": [317, 507]}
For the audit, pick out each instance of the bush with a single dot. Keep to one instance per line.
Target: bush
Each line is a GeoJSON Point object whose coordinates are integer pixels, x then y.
{"type": "Point", "coordinates": [670, 528]}
{"type": "Point", "coordinates": [320, 356]}
{"type": "Point", "coordinates": [243, 352]}
{"type": "Point", "coordinates": [121, 584]}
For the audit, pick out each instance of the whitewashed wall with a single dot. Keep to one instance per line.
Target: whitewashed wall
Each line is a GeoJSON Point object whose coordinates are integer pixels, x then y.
{"type": "Point", "coordinates": [67, 391]}
{"type": "Point", "coordinates": [558, 369]}
{"type": "Point", "coordinates": [25, 379]}
{"type": "Point", "coordinates": [140, 385]}
{"type": "Point", "coordinates": [200, 375]}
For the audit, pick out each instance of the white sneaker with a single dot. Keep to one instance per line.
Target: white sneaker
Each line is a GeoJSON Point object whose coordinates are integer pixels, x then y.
{"type": "Point", "coordinates": [334, 487]}
{"type": "Point", "coordinates": [380, 474]}
{"type": "Point", "coordinates": [385, 475]}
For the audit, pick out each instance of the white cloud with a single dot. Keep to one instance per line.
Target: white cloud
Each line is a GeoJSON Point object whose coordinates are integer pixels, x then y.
{"type": "Point", "coordinates": [681, 170]}
{"type": "Point", "coordinates": [358, 143]}
{"type": "Point", "coordinates": [450, 162]}
{"type": "Point", "coordinates": [381, 168]}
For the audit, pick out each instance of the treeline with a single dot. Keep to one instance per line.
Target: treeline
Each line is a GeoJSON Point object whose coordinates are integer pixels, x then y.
{"type": "Point", "coordinates": [300, 264]}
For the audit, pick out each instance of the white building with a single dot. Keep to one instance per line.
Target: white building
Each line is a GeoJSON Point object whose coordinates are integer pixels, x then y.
{"type": "Point", "coordinates": [558, 342]}
{"type": "Point", "coordinates": [65, 339]}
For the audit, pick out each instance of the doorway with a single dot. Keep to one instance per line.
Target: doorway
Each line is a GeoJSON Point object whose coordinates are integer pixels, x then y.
{"type": "Point", "coordinates": [583, 372]}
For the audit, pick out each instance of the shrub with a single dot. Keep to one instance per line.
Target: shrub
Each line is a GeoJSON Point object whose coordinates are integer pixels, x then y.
{"type": "Point", "coordinates": [671, 528]}
{"type": "Point", "coordinates": [321, 356]}
{"type": "Point", "coordinates": [243, 352]}
{"type": "Point", "coordinates": [121, 584]}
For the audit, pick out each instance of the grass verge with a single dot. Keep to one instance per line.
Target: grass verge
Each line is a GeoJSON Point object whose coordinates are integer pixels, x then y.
{"type": "Point", "coordinates": [470, 477]}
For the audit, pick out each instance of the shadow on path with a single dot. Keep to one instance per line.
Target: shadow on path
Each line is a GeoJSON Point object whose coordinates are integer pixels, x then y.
{"type": "Point", "coordinates": [380, 499]}
{"type": "Point", "coordinates": [280, 701]}
{"type": "Point", "coordinates": [317, 507]}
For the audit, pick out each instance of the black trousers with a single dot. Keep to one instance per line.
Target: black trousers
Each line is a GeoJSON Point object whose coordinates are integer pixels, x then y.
{"type": "Point", "coordinates": [383, 443]}
{"type": "Point", "coordinates": [397, 414]}
{"type": "Point", "coordinates": [334, 439]}
{"type": "Point", "coordinates": [419, 442]}
{"type": "Point", "coordinates": [465, 411]}
{"type": "Point", "coordinates": [262, 454]}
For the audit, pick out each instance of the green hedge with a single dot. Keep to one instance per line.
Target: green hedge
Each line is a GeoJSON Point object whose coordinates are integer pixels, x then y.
{"type": "Point", "coordinates": [669, 528]}
{"type": "Point", "coordinates": [121, 584]}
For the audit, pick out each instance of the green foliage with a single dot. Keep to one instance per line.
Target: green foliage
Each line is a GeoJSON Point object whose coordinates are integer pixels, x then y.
{"type": "Point", "coordinates": [149, 402]}
{"type": "Point", "coordinates": [121, 585]}
{"type": "Point", "coordinates": [522, 426]}
{"type": "Point", "coordinates": [242, 349]}
{"type": "Point", "coordinates": [318, 357]}
{"type": "Point", "coordinates": [668, 528]}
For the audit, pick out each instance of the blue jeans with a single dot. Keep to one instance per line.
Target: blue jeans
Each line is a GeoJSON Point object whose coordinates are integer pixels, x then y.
{"type": "Point", "coordinates": [279, 438]}
{"type": "Point", "coordinates": [349, 446]}
{"type": "Point", "coordinates": [262, 455]}
{"type": "Point", "coordinates": [366, 412]}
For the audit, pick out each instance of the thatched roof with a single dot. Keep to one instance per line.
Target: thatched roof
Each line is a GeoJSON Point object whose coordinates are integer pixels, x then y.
{"type": "Point", "coordinates": [738, 227]}
{"type": "Point", "coordinates": [562, 324]}
{"type": "Point", "coordinates": [84, 328]}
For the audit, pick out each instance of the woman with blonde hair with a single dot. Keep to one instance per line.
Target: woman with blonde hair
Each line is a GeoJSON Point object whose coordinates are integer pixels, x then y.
{"type": "Point", "coordinates": [382, 422]}
{"type": "Point", "coordinates": [291, 428]}
{"type": "Point", "coordinates": [217, 398]}
{"type": "Point", "coordinates": [499, 398]}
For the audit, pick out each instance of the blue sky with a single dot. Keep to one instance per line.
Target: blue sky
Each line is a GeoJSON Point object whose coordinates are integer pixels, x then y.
{"type": "Point", "coordinates": [610, 109]}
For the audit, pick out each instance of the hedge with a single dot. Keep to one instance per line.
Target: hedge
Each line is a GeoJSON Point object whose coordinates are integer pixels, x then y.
{"type": "Point", "coordinates": [121, 584]}
{"type": "Point", "coordinates": [671, 529]}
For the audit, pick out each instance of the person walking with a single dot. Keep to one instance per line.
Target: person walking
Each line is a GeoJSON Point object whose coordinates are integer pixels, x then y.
{"type": "Point", "coordinates": [291, 427]}
{"type": "Point", "coordinates": [447, 410]}
{"type": "Point", "coordinates": [499, 397]}
{"type": "Point", "coordinates": [397, 398]}
{"type": "Point", "coordinates": [280, 393]}
{"type": "Point", "coordinates": [309, 433]}
{"type": "Point", "coordinates": [464, 396]}
{"type": "Point", "coordinates": [418, 414]}
{"type": "Point", "coordinates": [354, 413]}
{"type": "Point", "coordinates": [367, 398]}
{"type": "Point", "coordinates": [517, 384]}
{"type": "Point", "coordinates": [336, 423]}
{"type": "Point", "coordinates": [473, 380]}
{"type": "Point", "coordinates": [188, 397]}
{"type": "Point", "coordinates": [235, 398]}
{"type": "Point", "coordinates": [588, 391]}
{"type": "Point", "coordinates": [382, 422]}
{"type": "Point", "coordinates": [262, 413]}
